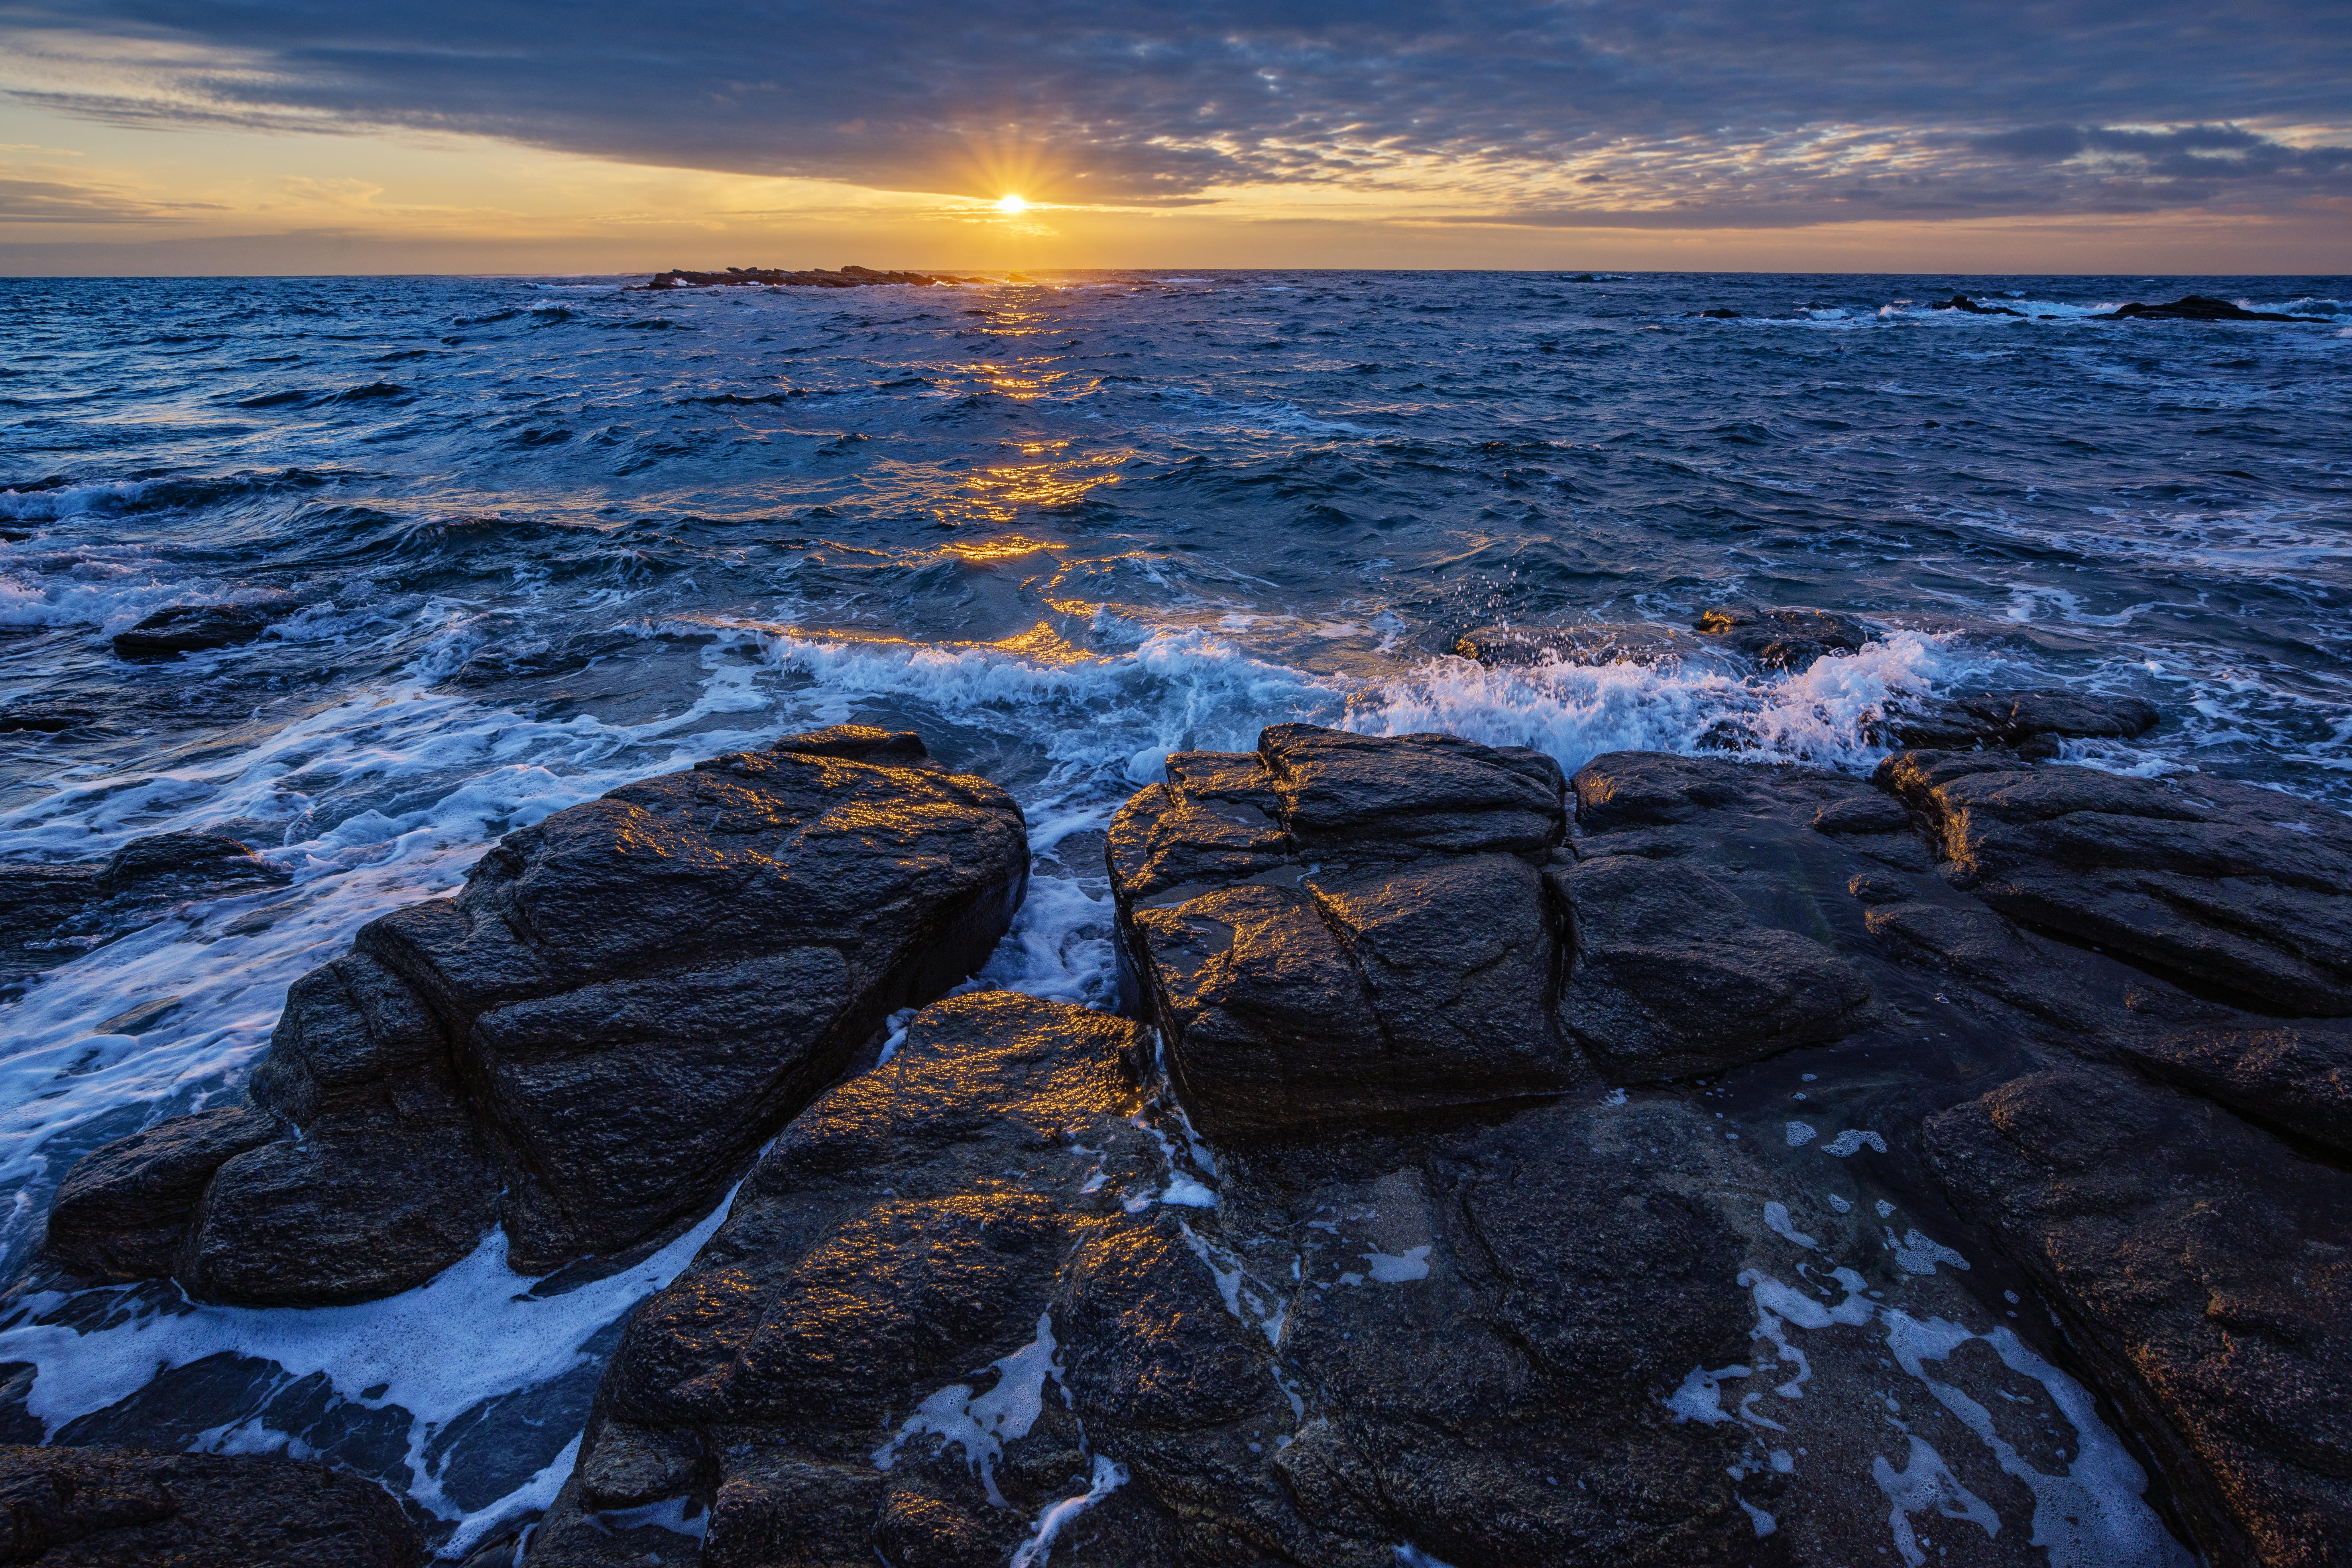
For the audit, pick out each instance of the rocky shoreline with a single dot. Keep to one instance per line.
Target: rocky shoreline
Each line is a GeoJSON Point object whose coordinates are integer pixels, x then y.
{"type": "Point", "coordinates": [1400, 1218]}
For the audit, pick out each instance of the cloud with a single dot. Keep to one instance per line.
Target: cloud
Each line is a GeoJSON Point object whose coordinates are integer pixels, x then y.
{"type": "Point", "coordinates": [53, 201]}
{"type": "Point", "coordinates": [1666, 115]}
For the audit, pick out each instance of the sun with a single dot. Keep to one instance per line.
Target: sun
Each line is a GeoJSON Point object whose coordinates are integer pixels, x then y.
{"type": "Point", "coordinates": [1012, 204]}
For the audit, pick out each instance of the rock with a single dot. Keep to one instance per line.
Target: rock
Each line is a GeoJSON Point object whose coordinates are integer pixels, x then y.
{"type": "Point", "coordinates": [946, 1301]}
{"type": "Point", "coordinates": [2297, 1078]}
{"type": "Point", "coordinates": [1782, 638]}
{"type": "Point", "coordinates": [2206, 882]}
{"type": "Point", "coordinates": [35, 901]}
{"type": "Point", "coordinates": [1376, 891]}
{"type": "Point", "coordinates": [124, 1209]}
{"type": "Point", "coordinates": [1720, 314]}
{"type": "Point", "coordinates": [1628, 642]}
{"type": "Point", "coordinates": [814, 278]}
{"type": "Point", "coordinates": [619, 1007]}
{"type": "Point", "coordinates": [1962, 302]}
{"type": "Point", "coordinates": [191, 628]}
{"type": "Point", "coordinates": [52, 914]}
{"type": "Point", "coordinates": [2203, 1271]}
{"type": "Point", "coordinates": [1684, 961]}
{"type": "Point", "coordinates": [114, 1508]}
{"type": "Point", "coordinates": [2007, 718]}
{"type": "Point", "coordinates": [2196, 308]}
{"type": "Point", "coordinates": [170, 865]}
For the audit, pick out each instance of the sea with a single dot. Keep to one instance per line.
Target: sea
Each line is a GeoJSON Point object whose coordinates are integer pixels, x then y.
{"type": "Point", "coordinates": [527, 539]}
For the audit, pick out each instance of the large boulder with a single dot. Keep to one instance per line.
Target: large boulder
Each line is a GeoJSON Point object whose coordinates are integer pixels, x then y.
{"type": "Point", "coordinates": [1379, 896]}
{"type": "Point", "coordinates": [112, 1508]}
{"type": "Point", "coordinates": [591, 1039]}
{"type": "Point", "coordinates": [2202, 1269]}
{"type": "Point", "coordinates": [2216, 885]}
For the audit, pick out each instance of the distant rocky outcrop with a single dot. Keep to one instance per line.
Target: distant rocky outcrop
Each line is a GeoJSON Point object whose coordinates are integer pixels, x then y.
{"type": "Point", "coordinates": [584, 1045]}
{"type": "Point", "coordinates": [812, 278]}
{"type": "Point", "coordinates": [112, 1508]}
{"type": "Point", "coordinates": [2195, 307]}
{"type": "Point", "coordinates": [1961, 303]}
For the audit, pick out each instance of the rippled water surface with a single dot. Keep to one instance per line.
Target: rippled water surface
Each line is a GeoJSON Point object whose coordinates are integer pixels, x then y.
{"type": "Point", "coordinates": [530, 539]}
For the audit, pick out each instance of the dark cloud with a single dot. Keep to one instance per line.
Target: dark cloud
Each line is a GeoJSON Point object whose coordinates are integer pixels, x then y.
{"type": "Point", "coordinates": [1821, 106]}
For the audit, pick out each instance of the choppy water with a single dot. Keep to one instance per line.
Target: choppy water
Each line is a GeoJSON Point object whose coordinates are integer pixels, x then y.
{"type": "Point", "coordinates": [541, 538]}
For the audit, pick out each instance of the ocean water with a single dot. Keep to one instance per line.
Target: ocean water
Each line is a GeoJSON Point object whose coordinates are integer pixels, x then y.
{"type": "Point", "coordinates": [531, 539]}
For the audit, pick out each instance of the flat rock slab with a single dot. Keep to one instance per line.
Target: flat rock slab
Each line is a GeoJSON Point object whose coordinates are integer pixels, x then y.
{"type": "Point", "coordinates": [2034, 720]}
{"type": "Point", "coordinates": [589, 1041]}
{"type": "Point", "coordinates": [113, 1507]}
{"type": "Point", "coordinates": [2204, 1270]}
{"type": "Point", "coordinates": [2214, 884]}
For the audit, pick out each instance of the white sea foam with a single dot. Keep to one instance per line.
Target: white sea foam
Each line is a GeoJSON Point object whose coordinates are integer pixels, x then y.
{"type": "Point", "coordinates": [982, 1423]}
{"type": "Point", "coordinates": [393, 1352]}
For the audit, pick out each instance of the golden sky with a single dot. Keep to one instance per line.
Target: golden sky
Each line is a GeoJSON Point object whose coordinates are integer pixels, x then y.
{"type": "Point", "coordinates": [144, 149]}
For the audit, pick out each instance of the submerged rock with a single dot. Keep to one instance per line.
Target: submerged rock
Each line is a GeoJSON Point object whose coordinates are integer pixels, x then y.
{"type": "Point", "coordinates": [1963, 303]}
{"type": "Point", "coordinates": [588, 1042]}
{"type": "Point", "coordinates": [2026, 720]}
{"type": "Point", "coordinates": [52, 914]}
{"type": "Point", "coordinates": [1638, 642]}
{"type": "Point", "coordinates": [1783, 639]}
{"type": "Point", "coordinates": [112, 1508]}
{"type": "Point", "coordinates": [192, 629]}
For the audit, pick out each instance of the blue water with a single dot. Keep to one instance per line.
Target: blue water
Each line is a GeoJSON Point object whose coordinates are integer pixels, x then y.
{"type": "Point", "coordinates": [532, 539]}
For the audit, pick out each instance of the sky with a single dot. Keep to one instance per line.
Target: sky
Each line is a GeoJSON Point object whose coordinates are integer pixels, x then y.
{"type": "Point", "coordinates": [170, 137]}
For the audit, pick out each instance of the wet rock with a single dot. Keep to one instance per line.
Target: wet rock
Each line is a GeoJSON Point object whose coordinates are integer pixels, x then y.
{"type": "Point", "coordinates": [2297, 1078]}
{"type": "Point", "coordinates": [1627, 643]}
{"type": "Point", "coordinates": [1962, 302]}
{"type": "Point", "coordinates": [1782, 638]}
{"type": "Point", "coordinates": [967, 1286]}
{"type": "Point", "coordinates": [113, 1507]}
{"type": "Point", "coordinates": [2011, 719]}
{"type": "Point", "coordinates": [2196, 308]}
{"type": "Point", "coordinates": [2201, 1268]}
{"type": "Point", "coordinates": [52, 914]}
{"type": "Point", "coordinates": [35, 901]}
{"type": "Point", "coordinates": [1378, 892]}
{"type": "Point", "coordinates": [124, 1208]}
{"type": "Point", "coordinates": [192, 629]}
{"type": "Point", "coordinates": [168, 865]}
{"type": "Point", "coordinates": [1684, 960]}
{"type": "Point", "coordinates": [2206, 882]}
{"type": "Point", "coordinates": [588, 1042]}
